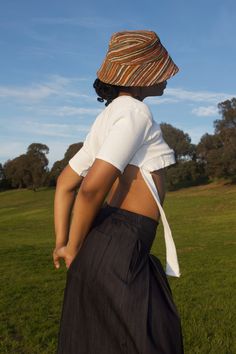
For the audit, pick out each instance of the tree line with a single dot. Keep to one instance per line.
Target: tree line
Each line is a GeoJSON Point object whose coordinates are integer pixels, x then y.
{"type": "Point", "coordinates": [212, 158]}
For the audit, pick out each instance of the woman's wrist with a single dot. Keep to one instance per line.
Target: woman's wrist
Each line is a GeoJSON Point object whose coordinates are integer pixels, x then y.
{"type": "Point", "coordinates": [73, 248]}
{"type": "Point", "coordinates": [59, 244]}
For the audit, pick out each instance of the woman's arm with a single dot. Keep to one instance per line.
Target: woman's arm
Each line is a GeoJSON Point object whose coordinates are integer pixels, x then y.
{"type": "Point", "coordinates": [90, 197]}
{"type": "Point", "coordinates": [89, 200]}
{"type": "Point", "coordinates": [67, 183]}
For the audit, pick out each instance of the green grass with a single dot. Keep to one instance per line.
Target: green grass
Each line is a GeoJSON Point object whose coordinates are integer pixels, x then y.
{"type": "Point", "coordinates": [203, 222]}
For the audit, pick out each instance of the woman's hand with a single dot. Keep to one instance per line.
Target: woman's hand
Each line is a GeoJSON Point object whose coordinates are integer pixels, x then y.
{"type": "Point", "coordinates": [63, 252]}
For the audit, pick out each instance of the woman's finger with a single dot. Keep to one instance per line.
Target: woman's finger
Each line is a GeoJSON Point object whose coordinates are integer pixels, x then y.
{"type": "Point", "coordinates": [68, 262]}
{"type": "Point", "coordinates": [56, 259]}
{"type": "Point", "coordinates": [62, 253]}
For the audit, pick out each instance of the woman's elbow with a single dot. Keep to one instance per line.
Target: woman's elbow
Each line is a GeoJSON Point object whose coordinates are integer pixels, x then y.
{"type": "Point", "coordinates": [88, 193]}
{"type": "Point", "coordinates": [68, 180]}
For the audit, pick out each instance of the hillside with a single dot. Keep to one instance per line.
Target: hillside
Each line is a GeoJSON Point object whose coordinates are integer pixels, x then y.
{"type": "Point", "coordinates": [203, 224]}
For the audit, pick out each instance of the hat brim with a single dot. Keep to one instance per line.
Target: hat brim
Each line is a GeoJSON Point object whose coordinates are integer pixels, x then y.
{"type": "Point", "coordinates": [148, 74]}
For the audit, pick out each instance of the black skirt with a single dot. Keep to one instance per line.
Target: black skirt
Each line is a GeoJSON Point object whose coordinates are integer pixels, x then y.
{"type": "Point", "coordinates": [117, 298]}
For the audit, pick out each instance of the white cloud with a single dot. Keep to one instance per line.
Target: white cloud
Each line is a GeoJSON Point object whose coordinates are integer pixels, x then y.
{"type": "Point", "coordinates": [205, 111]}
{"type": "Point", "coordinates": [56, 130]}
{"type": "Point", "coordinates": [71, 111]}
{"type": "Point", "coordinates": [26, 93]}
{"type": "Point", "coordinates": [66, 111]}
{"type": "Point", "coordinates": [198, 96]}
{"type": "Point", "coordinates": [92, 22]}
{"type": "Point", "coordinates": [161, 100]}
{"type": "Point", "coordinates": [56, 85]}
{"type": "Point", "coordinates": [174, 95]}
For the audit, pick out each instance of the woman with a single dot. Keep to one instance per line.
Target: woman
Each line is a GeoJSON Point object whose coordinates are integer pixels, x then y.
{"type": "Point", "coordinates": [117, 298]}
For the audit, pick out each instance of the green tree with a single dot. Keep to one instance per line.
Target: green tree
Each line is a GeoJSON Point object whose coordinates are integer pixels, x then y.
{"type": "Point", "coordinates": [3, 181]}
{"type": "Point", "coordinates": [179, 141]}
{"type": "Point", "coordinates": [17, 172]}
{"type": "Point", "coordinates": [188, 170]}
{"type": "Point", "coordinates": [28, 170]}
{"type": "Point", "coordinates": [59, 165]}
{"type": "Point", "coordinates": [71, 151]}
{"type": "Point", "coordinates": [209, 151]}
{"type": "Point", "coordinates": [218, 151]}
{"type": "Point", "coordinates": [225, 129]}
{"type": "Point", "coordinates": [186, 174]}
{"type": "Point", "coordinates": [36, 155]}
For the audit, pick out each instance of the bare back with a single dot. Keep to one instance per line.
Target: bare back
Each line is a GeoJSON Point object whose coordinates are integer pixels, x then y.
{"type": "Point", "coordinates": [131, 192]}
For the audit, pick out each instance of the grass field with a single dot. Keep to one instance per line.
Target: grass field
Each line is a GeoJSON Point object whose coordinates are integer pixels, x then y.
{"type": "Point", "coordinates": [203, 222]}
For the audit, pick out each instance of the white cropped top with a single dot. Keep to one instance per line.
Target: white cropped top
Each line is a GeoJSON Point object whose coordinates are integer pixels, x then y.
{"type": "Point", "coordinates": [126, 133]}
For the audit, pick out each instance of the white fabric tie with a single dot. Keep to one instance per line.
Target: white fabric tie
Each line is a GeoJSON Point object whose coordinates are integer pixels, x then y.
{"type": "Point", "coordinates": [172, 266]}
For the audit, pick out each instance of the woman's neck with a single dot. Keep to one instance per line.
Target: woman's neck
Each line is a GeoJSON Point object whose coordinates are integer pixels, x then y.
{"type": "Point", "coordinates": [126, 93]}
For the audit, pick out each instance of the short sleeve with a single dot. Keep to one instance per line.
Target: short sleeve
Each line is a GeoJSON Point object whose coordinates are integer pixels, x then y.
{"type": "Point", "coordinates": [83, 159]}
{"type": "Point", "coordinates": [125, 137]}
{"type": "Point", "coordinates": [160, 153]}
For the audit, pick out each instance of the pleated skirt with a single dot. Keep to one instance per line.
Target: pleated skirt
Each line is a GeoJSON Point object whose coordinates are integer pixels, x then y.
{"type": "Point", "coordinates": [117, 298]}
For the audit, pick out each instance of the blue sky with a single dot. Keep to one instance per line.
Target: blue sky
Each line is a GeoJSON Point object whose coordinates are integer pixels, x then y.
{"type": "Point", "coordinates": [51, 50]}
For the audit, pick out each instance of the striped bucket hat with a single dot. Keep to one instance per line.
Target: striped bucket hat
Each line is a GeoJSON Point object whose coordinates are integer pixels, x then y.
{"type": "Point", "coordinates": [136, 58]}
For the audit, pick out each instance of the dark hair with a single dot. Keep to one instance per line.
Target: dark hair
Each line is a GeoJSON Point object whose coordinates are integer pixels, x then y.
{"type": "Point", "coordinates": [106, 91]}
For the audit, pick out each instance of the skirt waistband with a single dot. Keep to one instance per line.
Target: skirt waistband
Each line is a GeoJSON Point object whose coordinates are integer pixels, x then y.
{"type": "Point", "coordinates": [132, 217]}
{"type": "Point", "coordinates": [141, 227]}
